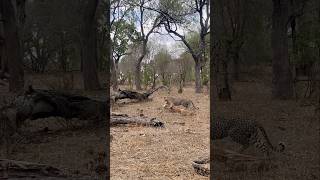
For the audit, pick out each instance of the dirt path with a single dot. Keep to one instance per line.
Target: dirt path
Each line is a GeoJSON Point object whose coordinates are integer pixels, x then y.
{"type": "Point", "coordinates": [147, 153]}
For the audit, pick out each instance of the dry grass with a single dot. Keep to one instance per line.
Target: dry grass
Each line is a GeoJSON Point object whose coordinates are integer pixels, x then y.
{"type": "Point", "coordinates": [148, 153]}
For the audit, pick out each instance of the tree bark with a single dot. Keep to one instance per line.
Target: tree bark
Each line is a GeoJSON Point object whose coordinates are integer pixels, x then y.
{"type": "Point", "coordinates": [224, 92]}
{"type": "Point", "coordinates": [282, 77]}
{"type": "Point", "coordinates": [197, 71]}
{"type": "Point", "coordinates": [138, 76]}
{"type": "Point", "coordinates": [89, 47]}
{"type": "Point", "coordinates": [221, 54]}
{"type": "Point", "coordinates": [12, 45]}
{"type": "Point", "coordinates": [138, 65]}
{"type": "Point", "coordinates": [236, 66]}
{"type": "Point", "coordinates": [107, 110]}
{"type": "Point", "coordinates": [154, 79]}
{"type": "Point", "coordinates": [113, 75]}
{"type": "Point", "coordinates": [63, 53]}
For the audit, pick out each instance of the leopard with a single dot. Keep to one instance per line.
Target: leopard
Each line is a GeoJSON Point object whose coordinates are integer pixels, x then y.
{"type": "Point", "coordinates": [178, 109]}
{"type": "Point", "coordinates": [246, 133]}
{"type": "Point", "coordinates": [179, 101]}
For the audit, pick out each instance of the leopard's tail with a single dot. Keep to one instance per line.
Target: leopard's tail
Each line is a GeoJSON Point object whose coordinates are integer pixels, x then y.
{"type": "Point", "coordinates": [279, 148]}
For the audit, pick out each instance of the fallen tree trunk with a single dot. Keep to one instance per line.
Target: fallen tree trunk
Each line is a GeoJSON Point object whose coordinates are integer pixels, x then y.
{"type": "Point", "coordinates": [118, 119]}
{"type": "Point", "coordinates": [34, 104]}
{"type": "Point", "coordinates": [16, 170]}
{"type": "Point", "coordinates": [22, 169]}
{"type": "Point", "coordinates": [128, 94]}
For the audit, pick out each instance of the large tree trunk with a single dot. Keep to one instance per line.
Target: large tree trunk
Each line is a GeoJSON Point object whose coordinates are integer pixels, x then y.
{"type": "Point", "coordinates": [12, 44]}
{"type": "Point", "coordinates": [89, 47]}
{"type": "Point", "coordinates": [107, 119]}
{"type": "Point", "coordinates": [282, 77]}
{"type": "Point", "coordinates": [221, 71]}
{"type": "Point", "coordinates": [220, 54]}
{"type": "Point", "coordinates": [197, 71]}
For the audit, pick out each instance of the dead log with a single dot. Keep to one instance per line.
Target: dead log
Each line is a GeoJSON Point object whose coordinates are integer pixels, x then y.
{"type": "Point", "coordinates": [202, 166]}
{"type": "Point", "coordinates": [19, 169]}
{"type": "Point", "coordinates": [118, 119]}
{"type": "Point", "coordinates": [16, 170]}
{"type": "Point", "coordinates": [128, 94]}
{"type": "Point", "coordinates": [35, 103]}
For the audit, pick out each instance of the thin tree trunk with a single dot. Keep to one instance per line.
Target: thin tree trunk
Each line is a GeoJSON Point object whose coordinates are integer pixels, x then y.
{"type": "Point", "coordinates": [154, 78]}
{"type": "Point", "coordinates": [138, 76]}
{"type": "Point", "coordinates": [224, 91]}
{"type": "Point", "coordinates": [3, 59]}
{"type": "Point", "coordinates": [197, 71]}
{"type": "Point", "coordinates": [116, 68]}
{"type": "Point", "coordinates": [282, 77]}
{"type": "Point", "coordinates": [180, 83]}
{"type": "Point", "coordinates": [89, 47]}
{"type": "Point", "coordinates": [63, 55]}
{"type": "Point", "coordinates": [12, 45]}
{"type": "Point", "coordinates": [138, 66]}
{"type": "Point", "coordinates": [114, 77]}
{"type": "Point", "coordinates": [164, 82]}
{"type": "Point", "coordinates": [236, 66]}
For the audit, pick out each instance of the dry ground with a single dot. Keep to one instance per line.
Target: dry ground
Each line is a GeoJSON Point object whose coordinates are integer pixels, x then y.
{"type": "Point", "coordinates": [146, 153]}
{"type": "Point", "coordinates": [149, 153]}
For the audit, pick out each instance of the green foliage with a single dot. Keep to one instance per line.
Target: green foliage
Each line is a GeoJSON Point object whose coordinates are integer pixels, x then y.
{"type": "Point", "coordinates": [124, 34]}
{"type": "Point", "coordinates": [181, 10]}
{"type": "Point", "coordinates": [173, 7]}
